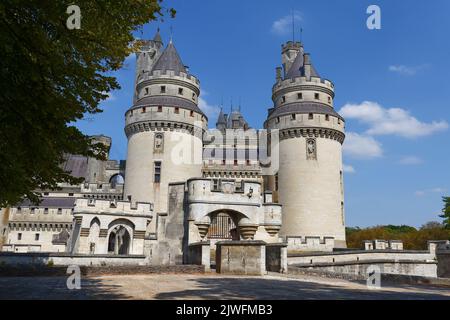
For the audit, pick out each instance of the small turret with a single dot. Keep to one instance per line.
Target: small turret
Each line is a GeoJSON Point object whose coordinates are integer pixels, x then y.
{"type": "Point", "coordinates": [221, 123]}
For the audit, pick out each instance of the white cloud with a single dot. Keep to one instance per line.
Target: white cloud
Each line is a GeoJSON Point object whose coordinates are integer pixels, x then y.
{"type": "Point", "coordinates": [392, 121]}
{"type": "Point", "coordinates": [410, 160]}
{"type": "Point", "coordinates": [405, 70]}
{"type": "Point", "coordinates": [348, 168]}
{"type": "Point", "coordinates": [362, 146]}
{"type": "Point", "coordinates": [211, 111]}
{"type": "Point", "coordinates": [421, 193]}
{"type": "Point", "coordinates": [283, 25]}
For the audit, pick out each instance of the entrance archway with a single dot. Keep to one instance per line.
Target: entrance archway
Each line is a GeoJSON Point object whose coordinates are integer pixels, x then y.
{"type": "Point", "coordinates": [119, 241]}
{"type": "Point", "coordinates": [224, 225]}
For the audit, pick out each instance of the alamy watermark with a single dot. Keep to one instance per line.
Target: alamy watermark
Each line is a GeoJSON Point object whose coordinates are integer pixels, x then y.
{"type": "Point", "coordinates": [74, 280]}
{"type": "Point", "coordinates": [74, 20]}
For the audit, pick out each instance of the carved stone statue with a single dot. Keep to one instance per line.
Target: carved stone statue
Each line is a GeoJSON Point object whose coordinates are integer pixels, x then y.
{"type": "Point", "coordinates": [311, 149]}
{"type": "Point", "coordinates": [159, 142]}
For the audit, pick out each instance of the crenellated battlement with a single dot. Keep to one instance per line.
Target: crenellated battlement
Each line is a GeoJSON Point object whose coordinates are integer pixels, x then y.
{"type": "Point", "coordinates": [303, 81]}
{"type": "Point", "coordinates": [108, 207]}
{"type": "Point", "coordinates": [168, 74]}
{"type": "Point", "coordinates": [101, 188]}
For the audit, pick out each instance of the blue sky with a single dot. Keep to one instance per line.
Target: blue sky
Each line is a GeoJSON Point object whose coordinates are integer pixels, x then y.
{"type": "Point", "coordinates": [392, 86]}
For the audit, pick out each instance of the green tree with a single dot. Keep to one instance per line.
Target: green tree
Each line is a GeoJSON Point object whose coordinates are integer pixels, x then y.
{"type": "Point", "coordinates": [52, 76]}
{"type": "Point", "coordinates": [446, 212]}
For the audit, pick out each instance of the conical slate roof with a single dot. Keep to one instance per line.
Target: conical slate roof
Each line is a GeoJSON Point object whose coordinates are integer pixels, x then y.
{"type": "Point", "coordinates": [157, 37]}
{"type": "Point", "coordinates": [170, 60]}
{"type": "Point", "coordinates": [221, 119]}
{"type": "Point", "coordinates": [298, 68]}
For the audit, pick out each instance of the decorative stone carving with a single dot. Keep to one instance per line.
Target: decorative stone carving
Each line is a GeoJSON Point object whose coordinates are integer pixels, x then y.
{"type": "Point", "coordinates": [228, 187]}
{"type": "Point", "coordinates": [311, 149]}
{"type": "Point", "coordinates": [202, 229]}
{"type": "Point", "coordinates": [159, 142]}
{"type": "Point", "coordinates": [248, 231]}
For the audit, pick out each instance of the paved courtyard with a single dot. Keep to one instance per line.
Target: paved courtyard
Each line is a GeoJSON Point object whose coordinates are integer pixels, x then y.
{"type": "Point", "coordinates": [208, 286]}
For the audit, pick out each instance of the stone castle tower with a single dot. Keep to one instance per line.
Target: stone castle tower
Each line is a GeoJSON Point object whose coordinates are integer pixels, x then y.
{"type": "Point", "coordinates": [310, 179]}
{"type": "Point", "coordinates": [164, 126]}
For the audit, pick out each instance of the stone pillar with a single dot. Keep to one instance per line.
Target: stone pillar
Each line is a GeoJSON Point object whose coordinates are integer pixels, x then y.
{"type": "Point", "coordinates": [200, 254]}
{"type": "Point", "coordinates": [241, 257]}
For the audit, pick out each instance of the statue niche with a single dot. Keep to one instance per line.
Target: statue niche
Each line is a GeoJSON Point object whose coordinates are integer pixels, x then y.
{"type": "Point", "coordinates": [311, 149]}
{"type": "Point", "coordinates": [159, 143]}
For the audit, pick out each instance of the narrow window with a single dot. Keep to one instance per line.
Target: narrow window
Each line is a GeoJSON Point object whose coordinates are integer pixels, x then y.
{"type": "Point", "coordinates": [248, 162]}
{"type": "Point", "coordinates": [36, 237]}
{"type": "Point", "coordinates": [163, 89]}
{"type": "Point", "coordinates": [327, 117]}
{"type": "Point", "coordinates": [131, 113]}
{"type": "Point", "coordinates": [329, 99]}
{"type": "Point", "coordinates": [157, 178]}
{"type": "Point", "coordinates": [223, 162]}
{"type": "Point", "coordinates": [283, 99]}
{"type": "Point", "coordinates": [278, 120]}
{"type": "Point", "coordinates": [177, 110]}
{"type": "Point", "coordinates": [33, 210]}
{"type": "Point", "coordinates": [144, 109]}
{"type": "Point", "coordinates": [299, 96]}
{"type": "Point", "coordinates": [276, 182]}
{"type": "Point", "coordinates": [146, 91]}
{"type": "Point", "coordinates": [310, 116]}
{"type": "Point", "coordinates": [316, 96]}
{"type": "Point", "coordinates": [235, 162]}
{"type": "Point", "coordinates": [293, 116]}
{"type": "Point", "coordinates": [180, 91]}
{"type": "Point", "coordinates": [59, 211]}
{"type": "Point", "coordinates": [193, 96]}
{"type": "Point", "coordinates": [19, 210]}
{"type": "Point", "coordinates": [70, 194]}
{"type": "Point", "coordinates": [45, 210]}
{"type": "Point", "coordinates": [19, 236]}
{"type": "Point", "coordinates": [192, 113]}
{"type": "Point", "coordinates": [159, 108]}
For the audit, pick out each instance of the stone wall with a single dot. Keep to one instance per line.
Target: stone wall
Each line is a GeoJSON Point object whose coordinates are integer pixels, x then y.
{"type": "Point", "coordinates": [443, 258]}
{"type": "Point", "coordinates": [276, 257]}
{"type": "Point", "coordinates": [241, 257]}
{"type": "Point", "coordinates": [199, 253]}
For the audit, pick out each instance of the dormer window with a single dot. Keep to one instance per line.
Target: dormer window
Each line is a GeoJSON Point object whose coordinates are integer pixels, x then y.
{"type": "Point", "coordinates": [163, 89]}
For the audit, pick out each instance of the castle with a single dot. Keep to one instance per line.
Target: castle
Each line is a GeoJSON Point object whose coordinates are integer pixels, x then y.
{"type": "Point", "coordinates": [183, 183]}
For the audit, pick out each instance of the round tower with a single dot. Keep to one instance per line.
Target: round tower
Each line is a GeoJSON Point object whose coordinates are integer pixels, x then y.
{"type": "Point", "coordinates": [164, 128]}
{"type": "Point", "coordinates": [310, 176]}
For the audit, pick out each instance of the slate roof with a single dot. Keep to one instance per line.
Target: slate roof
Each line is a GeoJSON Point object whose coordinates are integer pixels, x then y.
{"type": "Point", "coordinates": [50, 202]}
{"type": "Point", "coordinates": [77, 165]}
{"type": "Point", "coordinates": [297, 68]}
{"type": "Point", "coordinates": [302, 108]}
{"type": "Point", "coordinates": [170, 60]}
{"type": "Point", "coordinates": [169, 101]}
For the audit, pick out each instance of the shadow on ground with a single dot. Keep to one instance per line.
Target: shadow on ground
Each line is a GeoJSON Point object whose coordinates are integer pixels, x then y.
{"type": "Point", "coordinates": [258, 288]}
{"type": "Point", "coordinates": [55, 288]}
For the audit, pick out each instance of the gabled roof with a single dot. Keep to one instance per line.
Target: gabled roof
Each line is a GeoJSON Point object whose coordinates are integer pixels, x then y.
{"type": "Point", "coordinates": [170, 60]}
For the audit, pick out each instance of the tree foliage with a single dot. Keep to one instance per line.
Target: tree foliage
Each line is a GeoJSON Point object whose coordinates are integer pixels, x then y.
{"type": "Point", "coordinates": [446, 212]}
{"type": "Point", "coordinates": [412, 238]}
{"type": "Point", "coordinates": [50, 77]}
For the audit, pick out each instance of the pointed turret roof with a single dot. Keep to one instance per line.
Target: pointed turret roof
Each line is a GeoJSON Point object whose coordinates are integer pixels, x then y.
{"type": "Point", "coordinates": [298, 67]}
{"type": "Point", "coordinates": [157, 37]}
{"type": "Point", "coordinates": [170, 60]}
{"type": "Point", "coordinates": [221, 119]}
